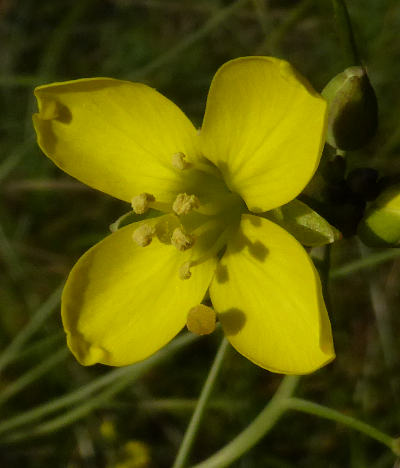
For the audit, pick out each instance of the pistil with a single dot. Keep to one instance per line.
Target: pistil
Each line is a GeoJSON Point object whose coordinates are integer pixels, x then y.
{"type": "Point", "coordinates": [179, 161]}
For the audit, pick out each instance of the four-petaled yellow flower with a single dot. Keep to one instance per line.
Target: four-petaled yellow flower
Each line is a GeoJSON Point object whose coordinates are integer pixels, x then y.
{"type": "Point", "coordinates": [258, 147]}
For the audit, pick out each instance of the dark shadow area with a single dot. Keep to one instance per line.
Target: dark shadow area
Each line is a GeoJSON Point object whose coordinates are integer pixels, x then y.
{"type": "Point", "coordinates": [233, 320]}
{"type": "Point", "coordinates": [221, 274]}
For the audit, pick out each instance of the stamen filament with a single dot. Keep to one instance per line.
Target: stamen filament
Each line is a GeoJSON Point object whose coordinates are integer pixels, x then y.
{"type": "Point", "coordinates": [117, 223]}
{"type": "Point", "coordinates": [184, 271]}
{"type": "Point", "coordinates": [215, 248]}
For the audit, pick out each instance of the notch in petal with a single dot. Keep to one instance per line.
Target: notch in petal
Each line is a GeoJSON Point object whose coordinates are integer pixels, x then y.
{"type": "Point", "coordinates": [123, 302]}
{"type": "Point", "coordinates": [115, 136]}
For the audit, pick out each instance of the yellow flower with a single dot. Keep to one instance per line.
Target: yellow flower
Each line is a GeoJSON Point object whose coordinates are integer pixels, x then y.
{"type": "Point", "coordinates": [258, 147]}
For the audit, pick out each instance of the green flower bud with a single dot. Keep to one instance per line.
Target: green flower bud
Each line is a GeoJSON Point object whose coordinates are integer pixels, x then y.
{"type": "Point", "coordinates": [352, 111]}
{"type": "Point", "coordinates": [380, 226]}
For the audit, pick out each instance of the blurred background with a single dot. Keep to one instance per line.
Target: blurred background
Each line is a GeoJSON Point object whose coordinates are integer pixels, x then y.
{"type": "Point", "coordinates": [57, 413]}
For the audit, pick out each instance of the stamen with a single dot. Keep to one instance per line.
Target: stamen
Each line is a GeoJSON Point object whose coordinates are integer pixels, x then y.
{"type": "Point", "coordinates": [141, 203]}
{"type": "Point", "coordinates": [179, 162]}
{"type": "Point", "coordinates": [201, 320]}
{"type": "Point", "coordinates": [184, 271]}
{"type": "Point", "coordinates": [181, 240]}
{"type": "Point", "coordinates": [185, 203]}
{"type": "Point", "coordinates": [143, 235]}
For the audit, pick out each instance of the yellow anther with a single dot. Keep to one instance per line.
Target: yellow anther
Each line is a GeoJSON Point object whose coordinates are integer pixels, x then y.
{"type": "Point", "coordinates": [143, 235]}
{"type": "Point", "coordinates": [184, 271]}
{"type": "Point", "coordinates": [179, 161]}
{"type": "Point", "coordinates": [201, 320]}
{"type": "Point", "coordinates": [185, 203]}
{"type": "Point", "coordinates": [141, 203]}
{"type": "Point", "coordinates": [181, 240]}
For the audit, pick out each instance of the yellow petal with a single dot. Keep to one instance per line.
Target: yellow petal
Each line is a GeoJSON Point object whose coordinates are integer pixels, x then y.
{"type": "Point", "coordinates": [264, 128]}
{"type": "Point", "coordinates": [116, 136]}
{"type": "Point", "coordinates": [268, 297]}
{"type": "Point", "coordinates": [123, 302]}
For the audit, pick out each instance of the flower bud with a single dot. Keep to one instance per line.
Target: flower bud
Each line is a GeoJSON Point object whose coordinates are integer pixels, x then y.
{"type": "Point", "coordinates": [380, 225]}
{"type": "Point", "coordinates": [352, 109]}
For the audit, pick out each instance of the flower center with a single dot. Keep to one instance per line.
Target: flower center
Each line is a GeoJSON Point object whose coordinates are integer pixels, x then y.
{"type": "Point", "coordinates": [203, 214]}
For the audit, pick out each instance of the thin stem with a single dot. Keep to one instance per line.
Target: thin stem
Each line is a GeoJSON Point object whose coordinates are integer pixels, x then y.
{"type": "Point", "coordinates": [110, 379]}
{"type": "Point", "coordinates": [385, 330]}
{"type": "Point", "coordinates": [345, 32]}
{"type": "Point", "coordinates": [194, 424]}
{"type": "Point", "coordinates": [34, 374]}
{"type": "Point", "coordinates": [30, 328]}
{"type": "Point", "coordinates": [368, 261]}
{"type": "Point", "coordinates": [263, 423]}
{"type": "Point", "coordinates": [12, 161]}
{"type": "Point", "coordinates": [190, 39]}
{"type": "Point", "coordinates": [326, 275]}
{"type": "Point", "coordinates": [184, 404]}
{"type": "Point", "coordinates": [28, 81]}
{"type": "Point", "coordinates": [273, 40]}
{"type": "Point", "coordinates": [315, 409]}
{"type": "Point", "coordinates": [71, 416]}
{"type": "Point", "coordinates": [40, 347]}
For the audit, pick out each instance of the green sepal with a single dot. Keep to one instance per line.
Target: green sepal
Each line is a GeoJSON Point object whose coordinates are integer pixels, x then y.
{"type": "Point", "coordinates": [380, 226]}
{"type": "Point", "coordinates": [306, 225]}
{"type": "Point", "coordinates": [352, 109]}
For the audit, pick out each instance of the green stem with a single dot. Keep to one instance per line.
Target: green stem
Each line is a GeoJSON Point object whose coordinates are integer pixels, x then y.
{"type": "Point", "coordinates": [194, 424]}
{"type": "Point", "coordinates": [345, 32]}
{"type": "Point", "coordinates": [34, 374]}
{"type": "Point", "coordinates": [111, 379]}
{"type": "Point", "coordinates": [12, 161]}
{"type": "Point", "coordinates": [176, 405]}
{"type": "Point", "coordinates": [325, 271]}
{"type": "Point", "coordinates": [273, 40]}
{"type": "Point", "coordinates": [264, 422]}
{"type": "Point", "coordinates": [368, 261]}
{"type": "Point", "coordinates": [40, 347]}
{"type": "Point", "coordinates": [315, 409]}
{"type": "Point", "coordinates": [379, 303]}
{"type": "Point", "coordinates": [190, 39]}
{"type": "Point", "coordinates": [32, 326]}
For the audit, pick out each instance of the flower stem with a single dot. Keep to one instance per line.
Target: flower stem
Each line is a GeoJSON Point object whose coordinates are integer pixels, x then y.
{"type": "Point", "coordinates": [44, 311]}
{"type": "Point", "coordinates": [345, 32]}
{"type": "Point", "coordinates": [315, 409]}
{"type": "Point", "coordinates": [86, 394]}
{"type": "Point", "coordinates": [256, 430]}
{"type": "Point", "coordinates": [368, 261]}
{"type": "Point", "coordinates": [188, 439]}
{"type": "Point", "coordinates": [33, 374]}
{"type": "Point", "coordinates": [214, 22]}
